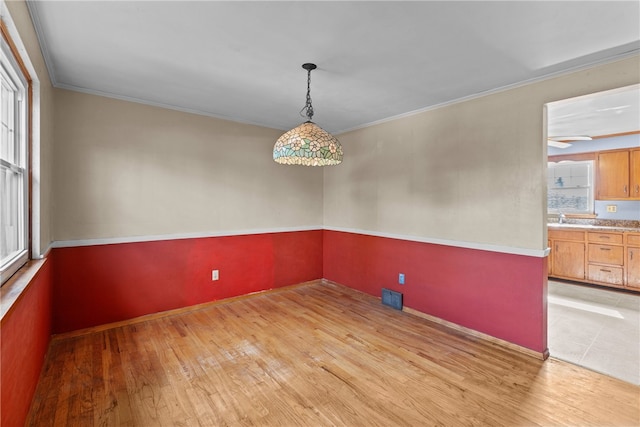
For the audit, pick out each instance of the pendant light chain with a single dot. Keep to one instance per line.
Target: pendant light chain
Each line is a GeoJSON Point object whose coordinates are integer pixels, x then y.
{"type": "Point", "coordinates": [308, 107]}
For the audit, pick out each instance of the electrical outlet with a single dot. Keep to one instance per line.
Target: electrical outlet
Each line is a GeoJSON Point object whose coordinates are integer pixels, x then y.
{"type": "Point", "coordinates": [612, 208]}
{"type": "Point", "coordinates": [401, 278]}
{"type": "Point", "coordinates": [215, 275]}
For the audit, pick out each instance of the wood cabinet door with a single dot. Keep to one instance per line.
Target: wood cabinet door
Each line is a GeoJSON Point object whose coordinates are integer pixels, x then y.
{"type": "Point", "coordinates": [613, 175]}
{"type": "Point", "coordinates": [634, 171]}
{"type": "Point", "coordinates": [568, 259]}
{"type": "Point", "coordinates": [633, 267]}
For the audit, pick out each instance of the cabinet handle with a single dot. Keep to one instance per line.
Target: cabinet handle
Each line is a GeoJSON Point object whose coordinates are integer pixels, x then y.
{"type": "Point", "coordinates": [606, 271]}
{"type": "Point", "coordinates": [637, 188]}
{"type": "Point", "coordinates": [630, 255]}
{"type": "Point", "coordinates": [605, 249]}
{"type": "Point", "coordinates": [625, 189]}
{"type": "Point", "coordinates": [604, 237]}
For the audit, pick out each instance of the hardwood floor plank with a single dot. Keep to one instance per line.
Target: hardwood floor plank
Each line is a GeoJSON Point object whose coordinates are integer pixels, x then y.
{"type": "Point", "coordinates": [319, 354]}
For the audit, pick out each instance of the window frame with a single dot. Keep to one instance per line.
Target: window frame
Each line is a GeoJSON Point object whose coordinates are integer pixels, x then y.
{"type": "Point", "coordinates": [14, 68]}
{"type": "Point", "coordinates": [588, 190]}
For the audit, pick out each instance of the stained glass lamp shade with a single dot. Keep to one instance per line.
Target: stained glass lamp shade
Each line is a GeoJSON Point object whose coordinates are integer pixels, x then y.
{"type": "Point", "coordinates": [308, 144]}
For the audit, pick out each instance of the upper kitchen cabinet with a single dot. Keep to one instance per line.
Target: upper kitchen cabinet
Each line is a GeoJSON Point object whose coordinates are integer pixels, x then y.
{"type": "Point", "coordinates": [618, 175]}
{"type": "Point", "coordinates": [634, 158]}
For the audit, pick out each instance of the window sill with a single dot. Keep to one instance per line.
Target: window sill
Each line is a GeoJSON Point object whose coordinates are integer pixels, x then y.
{"type": "Point", "coordinates": [574, 215]}
{"type": "Point", "coordinates": [12, 291]}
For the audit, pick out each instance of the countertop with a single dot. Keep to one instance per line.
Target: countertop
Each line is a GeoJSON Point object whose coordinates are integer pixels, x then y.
{"type": "Point", "coordinates": [588, 227]}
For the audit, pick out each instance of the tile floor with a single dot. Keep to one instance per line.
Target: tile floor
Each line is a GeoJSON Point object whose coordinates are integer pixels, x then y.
{"type": "Point", "coordinates": [596, 328]}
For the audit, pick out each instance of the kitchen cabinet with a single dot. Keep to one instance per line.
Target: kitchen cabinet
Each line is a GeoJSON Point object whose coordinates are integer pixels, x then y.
{"type": "Point", "coordinates": [612, 175]}
{"type": "Point", "coordinates": [606, 258]}
{"type": "Point", "coordinates": [633, 261]}
{"type": "Point", "coordinates": [567, 254]}
{"type": "Point", "coordinates": [618, 175]}
{"type": "Point", "coordinates": [634, 172]}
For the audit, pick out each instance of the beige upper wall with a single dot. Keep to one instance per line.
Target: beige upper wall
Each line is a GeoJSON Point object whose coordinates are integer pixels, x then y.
{"type": "Point", "coordinates": [22, 20]}
{"type": "Point", "coordinates": [474, 171]}
{"type": "Point", "coordinates": [125, 169]}
{"type": "Point", "coordinates": [470, 172]}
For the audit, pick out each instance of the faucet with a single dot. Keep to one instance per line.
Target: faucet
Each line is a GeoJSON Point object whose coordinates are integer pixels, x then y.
{"type": "Point", "coordinates": [561, 218]}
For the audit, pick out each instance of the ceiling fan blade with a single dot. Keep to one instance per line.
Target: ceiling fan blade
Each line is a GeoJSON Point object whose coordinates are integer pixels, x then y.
{"type": "Point", "coordinates": [571, 138]}
{"type": "Point", "coordinates": [557, 144]}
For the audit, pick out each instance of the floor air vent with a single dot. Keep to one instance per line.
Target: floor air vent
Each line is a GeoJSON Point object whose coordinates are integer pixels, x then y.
{"type": "Point", "coordinates": [392, 298]}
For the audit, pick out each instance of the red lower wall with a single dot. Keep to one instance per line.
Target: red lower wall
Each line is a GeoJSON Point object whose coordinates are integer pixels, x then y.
{"type": "Point", "coordinates": [499, 294]}
{"type": "Point", "coordinates": [101, 284]}
{"type": "Point", "coordinates": [26, 331]}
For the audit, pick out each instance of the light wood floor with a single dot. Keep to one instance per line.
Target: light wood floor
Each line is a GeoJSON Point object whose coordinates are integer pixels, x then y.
{"type": "Point", "coordinates": [319, 354]}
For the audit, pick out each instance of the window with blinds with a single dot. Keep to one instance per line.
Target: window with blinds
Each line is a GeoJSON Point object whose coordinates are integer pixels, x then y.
{"type": "Point", "coordinates": [570, 187]}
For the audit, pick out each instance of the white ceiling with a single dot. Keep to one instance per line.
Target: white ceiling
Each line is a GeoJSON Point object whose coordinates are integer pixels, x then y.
{"type": "Point", "coordinates": [605, 113]}
{"type": "Point", "coordinates": [242, 60]}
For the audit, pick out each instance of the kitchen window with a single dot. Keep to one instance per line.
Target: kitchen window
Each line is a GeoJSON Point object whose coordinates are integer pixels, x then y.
{"type": "Point", "coordinates": [570, 187]}
{"type": "Point", "coordinates": [14, 164]}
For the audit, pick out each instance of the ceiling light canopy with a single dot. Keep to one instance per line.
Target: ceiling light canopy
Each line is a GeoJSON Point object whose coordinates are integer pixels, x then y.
{"type": "Point", "coordinates": [308, 144]}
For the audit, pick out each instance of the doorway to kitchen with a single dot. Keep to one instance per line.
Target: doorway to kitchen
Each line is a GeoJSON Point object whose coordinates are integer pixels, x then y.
{"type": "Point", "coordinates": [593, 213]}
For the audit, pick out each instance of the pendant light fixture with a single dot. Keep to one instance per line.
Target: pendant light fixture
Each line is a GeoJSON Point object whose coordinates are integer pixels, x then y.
{"type": "Point", "coordinates": [308, 144]}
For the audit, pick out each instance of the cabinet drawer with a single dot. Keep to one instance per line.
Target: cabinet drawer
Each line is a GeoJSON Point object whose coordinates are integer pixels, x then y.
{"type": "Point", "coordinates": [612, 238]}
{"type": "Point", "coordinates": [606, 254]}
{"type": "Point", "coordinates": [566, 235]}
{"type": "Point", "coordinates": [633, 239]}
{"type": "Point", "coordinates": [605, 274]}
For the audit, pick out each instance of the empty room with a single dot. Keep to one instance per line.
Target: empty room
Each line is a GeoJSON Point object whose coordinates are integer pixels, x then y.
{"type": "Point", "coordinates": [317, 213]}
